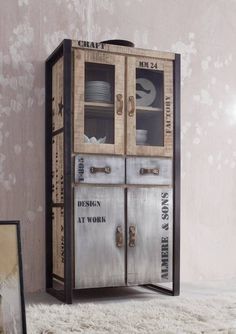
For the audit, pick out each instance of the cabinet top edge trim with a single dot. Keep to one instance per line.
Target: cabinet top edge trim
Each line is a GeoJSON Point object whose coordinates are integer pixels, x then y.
{"type": "Point", "coordinates": [124, 50]}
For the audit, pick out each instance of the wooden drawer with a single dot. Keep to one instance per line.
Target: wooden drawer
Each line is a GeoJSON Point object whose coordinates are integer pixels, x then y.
{"type": "Point", "coordinates": [99, 169]}
{"type": "Point", "coordinates": [149, 171]}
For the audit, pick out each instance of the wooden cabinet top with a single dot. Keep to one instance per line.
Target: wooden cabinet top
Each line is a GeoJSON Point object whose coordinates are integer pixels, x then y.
{"type": "Point", "coordinates": [122, 49]}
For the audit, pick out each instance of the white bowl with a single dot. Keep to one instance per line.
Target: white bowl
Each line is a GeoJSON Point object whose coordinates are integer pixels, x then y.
{"type": "Point", "coordinates": [141, 132]}
{"type": "Point", "coordinates": [94, 140]}
{"type": "Point", "coordinates": [141, 136]}
{"type": "Point", "coordinates": [141, 142]}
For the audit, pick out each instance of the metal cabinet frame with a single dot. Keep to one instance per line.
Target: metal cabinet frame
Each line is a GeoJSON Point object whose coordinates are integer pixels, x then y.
{"type": "Point", "coordinates": [66, 295]}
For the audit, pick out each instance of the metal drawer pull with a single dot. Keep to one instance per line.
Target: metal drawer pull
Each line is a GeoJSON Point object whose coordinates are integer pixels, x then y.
{"type": "Point", "coordinates": [131, 100]}
{"type": "Point", "coordinates": [144, 171]}
{"type": "Point", "coordinates": [120, 104]}
{"type": "Point", "coordinates": [106, 170]}
{"type": "Point", "coordinates": [119, 237]}
{"type": "Point", "coordinates": [132, 236]}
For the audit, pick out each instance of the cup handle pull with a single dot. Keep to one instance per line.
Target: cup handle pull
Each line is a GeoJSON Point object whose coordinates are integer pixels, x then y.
{"type": "Point", "coordinates": [120, 104]}
{"type": "Point", "coordinates": [154, 171]}
{"type": "Point", "coordinates": [131, 112]}
{"type": "Point", "coordinates": [106, 170]}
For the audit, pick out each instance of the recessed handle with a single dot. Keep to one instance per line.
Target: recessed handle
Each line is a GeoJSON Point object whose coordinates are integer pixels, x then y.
{"type": "Point", "coordinates": [132, 236]}
{"type": "Point", "coordinates": [120, 104]}
{"type": "Point", "coordinates": [154, 171]}
{"type": "Point", "coordinates": [106, 170]}
{"type": "Point", "coordinates": [119, 236]}
{"type": "Point", "coordinates": [131, 112]}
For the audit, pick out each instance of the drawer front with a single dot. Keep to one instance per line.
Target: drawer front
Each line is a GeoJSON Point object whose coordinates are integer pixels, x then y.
{"type": "Point", "coordinates": [99, 169]}
{"type": "Point", "coordinates": [149, 171]}
{"type": "Point", "coordinates": [99, 237]}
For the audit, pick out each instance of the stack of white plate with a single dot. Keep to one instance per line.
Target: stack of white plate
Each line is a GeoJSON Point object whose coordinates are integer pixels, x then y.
{"type": "Point", "coordinates": [97, 91]}
{"type": "Point", "coordinates": [141, 136]}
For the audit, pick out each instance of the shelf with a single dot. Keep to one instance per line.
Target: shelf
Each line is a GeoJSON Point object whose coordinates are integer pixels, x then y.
{"type": "Point", "coordinates": [98, 105]}
{"type": "Point", "coordinates": [97, 114]}
{"type": "Point", "coordinates": [148, 109]}
{"type": "Point", "coordinates": [99, 110]}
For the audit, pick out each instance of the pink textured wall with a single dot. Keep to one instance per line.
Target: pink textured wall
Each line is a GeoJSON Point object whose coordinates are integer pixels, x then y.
{"type": "Point", "coordinates": [204, 33]}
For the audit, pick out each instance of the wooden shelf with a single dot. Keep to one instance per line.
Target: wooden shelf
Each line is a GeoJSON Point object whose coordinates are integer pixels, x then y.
{"type": "Point", "coordinates": [97, 114]}
{"type": "Point", "coordinates": [148, 109]}
{"type": "Point", "coordinates": [98, 105]}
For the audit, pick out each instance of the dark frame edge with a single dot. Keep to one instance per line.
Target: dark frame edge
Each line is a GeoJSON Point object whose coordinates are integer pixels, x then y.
{"type": "Point", "coordinates": [64, 49]}
{"type": "Point", "coordinates": [21, 278]}
{"type": "Point", "coordinates": [159, 289]}
{"type": "Point", "coordinates": [68, 209]}
{"type": "Point", "coordinates": [48, 172]}
{"type": "Point", "coordinates": [177, 174]}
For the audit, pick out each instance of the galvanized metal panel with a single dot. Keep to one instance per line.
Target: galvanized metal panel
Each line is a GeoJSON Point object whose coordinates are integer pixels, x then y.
{"type": "Point", "coordinates": [136, 165]}
{"type": "Point", "coordinates": [150, 212]}
{"type": "Point", "coordinates": [99, 262]}
{"type": "Point", "coordinates": [111, 170]}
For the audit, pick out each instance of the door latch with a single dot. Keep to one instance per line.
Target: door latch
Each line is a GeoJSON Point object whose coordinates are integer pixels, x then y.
{"type": "Point", "coordinates": [119, 237]}
{"type": "Point", "coordinates": [132, 236]}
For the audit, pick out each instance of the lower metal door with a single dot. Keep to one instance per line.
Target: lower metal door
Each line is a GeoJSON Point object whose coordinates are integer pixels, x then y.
{"type": "Point", "coordinates": [149, 235]}
{"type": "Point", "coordinates": [99, 237]}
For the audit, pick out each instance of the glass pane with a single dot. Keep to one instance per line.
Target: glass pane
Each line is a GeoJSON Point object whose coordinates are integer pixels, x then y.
{"type": "Point", "coordinates": [99, 104]}
{"type": "Point", "coordinates": [149, 107]}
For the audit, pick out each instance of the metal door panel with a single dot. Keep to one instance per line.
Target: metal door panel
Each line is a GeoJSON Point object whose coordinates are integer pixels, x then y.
{"type": "Point", "coordinates": [149, 171]}
{"type": "Point", "coordinates": [99, 262]}
{"type": "Point", "coordinates": [150, 212]}
{"type": "Point", "coordinates": [99, 169]}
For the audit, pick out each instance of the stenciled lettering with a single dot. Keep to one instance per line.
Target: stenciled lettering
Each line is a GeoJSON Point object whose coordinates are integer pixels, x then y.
{"type": "Point", "coordinates": [85, 204]}
{"type": "Point", "coordinates": [62, 244]}
{"type": "Point", "coordinates": [165, 205]}
{"type": "Point", "coordinates": [81, 220]}
{"type": "Point", "coordinates": [95, 219]}
{"type": "Point", "coordinates": [147, 64]}
{"type": "Point", "coordinates": [81, 169]}
{"type": "Point", "coordinates": [143, 64]}
{"type": "Point", "coordinates": [168, 115]}
{"type": "Point", "coordinates": [93, 45]}
{"type": "Point", "coordinates": [164, 257]}
{"type": "Point", "coordinates": [62, 248]}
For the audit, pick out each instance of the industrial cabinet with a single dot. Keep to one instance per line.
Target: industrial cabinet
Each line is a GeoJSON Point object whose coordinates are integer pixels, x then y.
{"type": "Point", "coordinates": [112, 168]}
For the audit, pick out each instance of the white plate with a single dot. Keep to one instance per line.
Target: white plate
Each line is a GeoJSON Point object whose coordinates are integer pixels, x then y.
{"type": "Point", "coordinates": [146, 96]}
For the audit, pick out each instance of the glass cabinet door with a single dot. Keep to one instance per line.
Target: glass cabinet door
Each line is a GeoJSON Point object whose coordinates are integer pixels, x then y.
{"type": "Point", "coordinates": [98, 102]}
{"type": "Point", "coordinates": [149, 107]}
